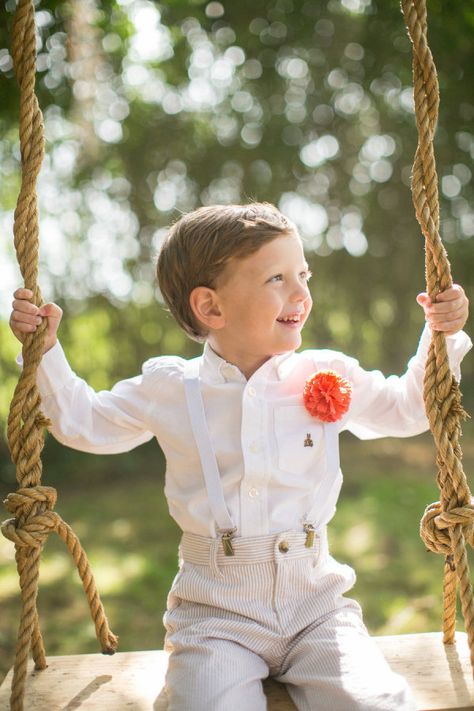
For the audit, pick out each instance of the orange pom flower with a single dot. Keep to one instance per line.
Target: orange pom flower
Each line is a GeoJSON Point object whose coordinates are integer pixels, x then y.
{"type": "Point", "coordinates": [327, 395]}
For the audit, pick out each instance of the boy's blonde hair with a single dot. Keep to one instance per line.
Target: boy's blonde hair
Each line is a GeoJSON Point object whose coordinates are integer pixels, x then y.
{"type": "Point", "coordinates": [201, 243]}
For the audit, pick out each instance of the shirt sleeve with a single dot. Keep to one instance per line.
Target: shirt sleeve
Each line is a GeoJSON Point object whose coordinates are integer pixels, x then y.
{"type": "Point", "coordinates": [105, 422]}
{"type": "Point", "coordinates": [394, 406]}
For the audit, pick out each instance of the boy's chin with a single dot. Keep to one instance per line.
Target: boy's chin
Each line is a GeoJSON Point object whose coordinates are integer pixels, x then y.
{"type": "Point", "coordinates": [291, 344]}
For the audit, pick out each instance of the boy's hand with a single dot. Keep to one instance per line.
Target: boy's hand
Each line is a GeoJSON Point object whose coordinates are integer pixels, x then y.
{"type": "Point", "coordinates": [26, 317]}
{"type": "Point", "coordinates": [450, 311]}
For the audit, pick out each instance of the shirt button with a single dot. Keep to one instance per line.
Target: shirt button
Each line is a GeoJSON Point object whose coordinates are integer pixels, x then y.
{"type": "Point", "coordinates": [251, 391]}
{"type": "Point", "coordinates": [283, 547]}
{"type": "Point", "coordinates": [253, 492]}
{"type": "Point", "coordinates": [254, 447]}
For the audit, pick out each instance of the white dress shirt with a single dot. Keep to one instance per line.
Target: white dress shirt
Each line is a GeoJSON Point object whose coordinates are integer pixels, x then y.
{"type": "Point", "coordinates": [258, 427]}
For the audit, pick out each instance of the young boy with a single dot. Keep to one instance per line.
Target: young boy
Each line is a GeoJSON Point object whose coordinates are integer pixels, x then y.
{"type": "Point", "coordinates": [252, 476]}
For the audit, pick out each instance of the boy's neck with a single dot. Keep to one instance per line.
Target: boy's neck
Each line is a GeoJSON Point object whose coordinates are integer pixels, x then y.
{"type": "Point", "coordinates": [246, 362]}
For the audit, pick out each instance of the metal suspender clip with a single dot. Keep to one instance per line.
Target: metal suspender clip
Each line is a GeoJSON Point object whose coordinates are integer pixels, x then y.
{"type": "Point", "coordinates": [226, 539]}
{"type": "Point", "coordinates": [309, 530]}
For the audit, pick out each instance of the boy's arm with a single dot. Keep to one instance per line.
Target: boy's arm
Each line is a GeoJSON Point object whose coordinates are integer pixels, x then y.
{"type": "Point", "coordinates": [394, 406]}
{"type": "Point", "coordinates": [101, 422]}
{"type": "Point", "coordinates": [104, 422]}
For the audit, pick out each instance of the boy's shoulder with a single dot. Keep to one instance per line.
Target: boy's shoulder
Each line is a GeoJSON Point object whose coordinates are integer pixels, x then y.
{"type": "Point", "coordinates": [326, 355]}
{"type": "Point", "coordinates": [313, 359]}
{"type": "Point", "coordinates": [161, 366]}
{"type": "Point", "coordinates": [300, 365]}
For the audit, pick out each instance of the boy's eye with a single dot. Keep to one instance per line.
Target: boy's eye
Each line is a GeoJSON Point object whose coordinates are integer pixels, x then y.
{"type": "Point", "coordinates": [305, 276]}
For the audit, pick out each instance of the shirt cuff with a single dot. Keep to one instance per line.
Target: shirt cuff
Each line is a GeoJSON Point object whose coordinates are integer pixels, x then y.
{"type": "Point", "coordinates": [458, 345]}
{"type": "Point", "coordinates": [54, 372]}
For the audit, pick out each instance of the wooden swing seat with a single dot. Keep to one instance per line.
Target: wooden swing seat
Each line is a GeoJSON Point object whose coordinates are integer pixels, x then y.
{"type": "Point", "coordinates": [439, 675]}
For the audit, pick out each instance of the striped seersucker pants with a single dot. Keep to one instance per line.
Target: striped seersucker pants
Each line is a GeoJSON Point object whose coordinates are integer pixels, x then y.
{"type": "Point", "coordinates": [274, 608]}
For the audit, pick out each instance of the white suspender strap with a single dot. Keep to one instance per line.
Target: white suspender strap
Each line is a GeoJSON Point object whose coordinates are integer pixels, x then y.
{"type": "Point", "coordinates": [326, 492]}
{"type": "Point", "coordinates": [207, 456]}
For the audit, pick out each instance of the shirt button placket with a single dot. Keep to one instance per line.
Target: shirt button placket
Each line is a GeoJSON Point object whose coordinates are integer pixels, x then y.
{"type": "Point", "coordinates": [251, 490]}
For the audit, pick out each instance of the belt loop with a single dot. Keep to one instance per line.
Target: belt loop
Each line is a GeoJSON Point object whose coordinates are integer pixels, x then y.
{"type": "Point", "coordinates": [213, 552]}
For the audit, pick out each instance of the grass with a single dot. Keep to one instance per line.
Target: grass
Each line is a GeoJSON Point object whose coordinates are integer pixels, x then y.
{"type": "Point", "coordinates": [116, 506]}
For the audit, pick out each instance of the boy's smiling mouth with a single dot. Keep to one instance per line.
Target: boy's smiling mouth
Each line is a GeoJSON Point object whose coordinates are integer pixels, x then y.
{"type": "Point", "coordinates": [290, 319]}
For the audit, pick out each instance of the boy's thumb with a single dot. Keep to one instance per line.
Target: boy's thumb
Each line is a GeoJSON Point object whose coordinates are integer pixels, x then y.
{"type": "Point", "coordinates": [423, 299]}
{"type": "Point", "coordinates": [51, 310]}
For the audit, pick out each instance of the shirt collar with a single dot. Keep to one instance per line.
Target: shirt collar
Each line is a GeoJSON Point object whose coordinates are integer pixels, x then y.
{"type": "Point", "coordinates": [217, 370]}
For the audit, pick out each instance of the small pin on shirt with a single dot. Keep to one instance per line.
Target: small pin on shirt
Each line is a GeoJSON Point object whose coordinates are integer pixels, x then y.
{"type": "Point", "coordinates": [308, 442]}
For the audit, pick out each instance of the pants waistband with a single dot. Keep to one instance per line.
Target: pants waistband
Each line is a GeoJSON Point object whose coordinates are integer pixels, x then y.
{"type": "Point", "coordinates": [253, 549]}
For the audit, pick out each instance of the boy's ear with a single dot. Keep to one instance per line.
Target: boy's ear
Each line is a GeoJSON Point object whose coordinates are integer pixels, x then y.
{"type": "Point", "coordinates": [205, 305]}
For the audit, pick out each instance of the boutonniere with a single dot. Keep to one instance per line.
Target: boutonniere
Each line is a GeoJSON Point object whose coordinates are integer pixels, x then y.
{"type": "Point", "coordinates": [327, 395]}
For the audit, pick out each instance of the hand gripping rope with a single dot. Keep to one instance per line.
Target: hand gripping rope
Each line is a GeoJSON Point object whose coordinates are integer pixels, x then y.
{"type": "Point", "coordinates": [448, 523]}
{"type": "Point", "coordinates": [32, 504]}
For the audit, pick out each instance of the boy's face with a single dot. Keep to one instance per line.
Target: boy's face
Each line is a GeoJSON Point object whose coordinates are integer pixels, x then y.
{"type": "Point", "coordinates": [265, 301]}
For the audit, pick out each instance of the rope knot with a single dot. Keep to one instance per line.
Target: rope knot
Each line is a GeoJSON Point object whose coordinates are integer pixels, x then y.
{"type": "Point", "coordinates": [435, 525]}
{"type": "Point", "coordinates": [34, 518]}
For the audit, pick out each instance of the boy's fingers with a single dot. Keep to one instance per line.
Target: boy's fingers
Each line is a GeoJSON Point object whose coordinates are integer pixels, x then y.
{"type": "Point", "coordinates": [17, 317]}
{"type": "Point", "coordinates": [452, 299]}
{"type": "Point", "coordinates": [449, 312]}
{"type": "Point", "coordinates": [21, 325]}
{"type": "Point", "coordinates": [23, 293]}
{"type": "Point", "coordinates": [25, 307]}
{"type": "Point", "coordinates": [446, 307]}
{"type": "Point", "coordinates": [455, 315]}
{"type": "Point", "coordinates": [454, 292]}
{"type": "Point", "coordinates": [26, 317]}
{"type": "Point", "coordinates": [51, 310]}
{"type": "Point", "coordinates": [447, 318]}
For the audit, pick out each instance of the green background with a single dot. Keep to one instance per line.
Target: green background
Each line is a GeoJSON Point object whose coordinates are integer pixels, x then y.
{"type": "Point", "coordinates": [152, 109]}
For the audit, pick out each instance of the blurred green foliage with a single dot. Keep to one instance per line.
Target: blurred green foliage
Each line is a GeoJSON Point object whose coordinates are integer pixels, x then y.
{"type": "Point", "coordinates": [152, 109]}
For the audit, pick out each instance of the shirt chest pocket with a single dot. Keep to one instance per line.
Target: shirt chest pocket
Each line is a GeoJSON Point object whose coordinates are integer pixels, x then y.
{"type": "Point", "coordinates": [299, 439]}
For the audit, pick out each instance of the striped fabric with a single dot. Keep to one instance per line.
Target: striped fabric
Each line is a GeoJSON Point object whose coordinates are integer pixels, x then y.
{"type": "Point", "coordinates": [274, 608]}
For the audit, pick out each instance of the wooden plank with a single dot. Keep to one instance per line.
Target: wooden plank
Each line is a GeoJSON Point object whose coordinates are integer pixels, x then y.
{"type": "Point", "coordinates": [440, 676]}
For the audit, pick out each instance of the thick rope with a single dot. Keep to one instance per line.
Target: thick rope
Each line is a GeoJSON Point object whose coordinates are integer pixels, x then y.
{"type": "Point", "coordinates": [32, 505]}
{"type": "Point", "coordinates": [446, 524]}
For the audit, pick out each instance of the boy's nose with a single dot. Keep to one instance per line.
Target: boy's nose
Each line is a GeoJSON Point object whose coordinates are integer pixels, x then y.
{"type": "Point", "coordinates": [301, 293]}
